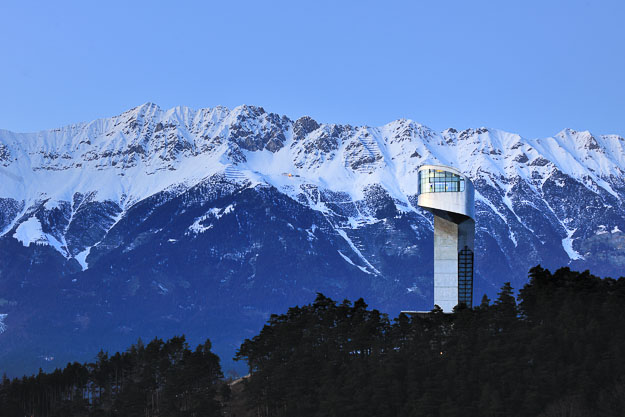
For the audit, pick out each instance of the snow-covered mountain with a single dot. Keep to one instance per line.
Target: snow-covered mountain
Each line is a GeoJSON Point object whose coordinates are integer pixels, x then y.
{"type": "Point", "coordinates": [209, 220]}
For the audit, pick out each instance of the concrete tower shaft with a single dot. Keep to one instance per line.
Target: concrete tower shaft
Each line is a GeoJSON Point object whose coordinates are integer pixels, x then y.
{"type": "Point", "coordinates": [449, 195]}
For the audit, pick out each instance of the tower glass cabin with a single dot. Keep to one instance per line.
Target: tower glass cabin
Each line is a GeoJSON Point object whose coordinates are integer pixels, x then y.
{"type": "Point", "coordinates": [449, 195]}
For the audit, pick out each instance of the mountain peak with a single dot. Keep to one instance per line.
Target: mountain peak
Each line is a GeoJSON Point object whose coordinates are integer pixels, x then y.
{"type": "Point", "coordinates": [150, 141]}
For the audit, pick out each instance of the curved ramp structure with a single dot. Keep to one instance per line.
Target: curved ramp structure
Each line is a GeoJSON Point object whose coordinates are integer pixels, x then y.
{"type": "Point", "coordinates": [450, 196]}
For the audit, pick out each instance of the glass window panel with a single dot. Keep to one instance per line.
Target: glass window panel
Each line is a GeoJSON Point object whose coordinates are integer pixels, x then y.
{"type": "Point", "coordinates": [434, 180]}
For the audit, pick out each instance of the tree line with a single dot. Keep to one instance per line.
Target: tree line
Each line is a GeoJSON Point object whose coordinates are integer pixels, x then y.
{"type": "Point", "coordinates": [162, 378]}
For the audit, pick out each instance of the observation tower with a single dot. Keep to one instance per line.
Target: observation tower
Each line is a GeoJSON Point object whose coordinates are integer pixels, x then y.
{"type": "Point", "coordinates": [450, 196]}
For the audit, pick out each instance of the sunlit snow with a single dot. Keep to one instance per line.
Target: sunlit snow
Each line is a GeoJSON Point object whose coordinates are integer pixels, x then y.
{"type": "Point", "coordinates": [127, 158]}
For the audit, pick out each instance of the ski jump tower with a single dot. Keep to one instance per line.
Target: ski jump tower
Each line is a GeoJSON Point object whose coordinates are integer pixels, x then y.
{"type": "Point", "coordinates": [449, 195]}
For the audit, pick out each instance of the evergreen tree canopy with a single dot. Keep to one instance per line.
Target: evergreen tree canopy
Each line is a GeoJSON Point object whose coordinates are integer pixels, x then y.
{"type": "Point", "coordinates": [562, 347]}
{"type": "Point", "coordinates": [157, 379]}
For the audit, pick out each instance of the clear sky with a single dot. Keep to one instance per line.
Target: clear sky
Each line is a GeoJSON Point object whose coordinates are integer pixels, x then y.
{"type": "Point", "coordinates": [530, 67]}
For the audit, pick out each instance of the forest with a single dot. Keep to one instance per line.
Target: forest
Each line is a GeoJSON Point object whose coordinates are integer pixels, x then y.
{"type": "Point", "coordinates": [157, 379]}
{"type": "Point", "coordinates": [556, 349]}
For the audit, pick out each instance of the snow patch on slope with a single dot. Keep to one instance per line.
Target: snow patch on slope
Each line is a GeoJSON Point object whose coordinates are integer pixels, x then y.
{"type": "Point", "coordinates": [30, 232]}
{"type": "Point", "coordinates": [480, 197]}
{"type": "Point", "coordinates": [349, 261]}
{"type": "Point", "coordinates": [219, 213]}
{"type": "Point", "coordinates": [356, 250]}
{"type": "Point", "coordinates": [197, 226]}
{"type": "Point", "coordinates": [567, 244]}
{"type": "Point", "coordinates": [82, 258]}
{"type": "Point", "coordinates": [215, 213]}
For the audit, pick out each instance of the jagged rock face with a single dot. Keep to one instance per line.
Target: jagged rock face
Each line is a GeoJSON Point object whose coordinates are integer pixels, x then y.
{"type": "Point", "coordinates": [5, 155]}
{"type": "Point", "coordinates": [255, 130]}
{"type": "Point", "coordinates": [303, 126]}
{"type": "Point", "coordinates": [205, 222]}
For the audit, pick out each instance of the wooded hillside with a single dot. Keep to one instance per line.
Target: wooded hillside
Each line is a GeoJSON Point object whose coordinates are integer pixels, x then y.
{"type": "Point", "coordinates": [559, 351]}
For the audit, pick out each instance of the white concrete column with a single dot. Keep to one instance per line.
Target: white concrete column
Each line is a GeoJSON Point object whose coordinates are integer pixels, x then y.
{"type": "Point", "coordinates": [445, 264]}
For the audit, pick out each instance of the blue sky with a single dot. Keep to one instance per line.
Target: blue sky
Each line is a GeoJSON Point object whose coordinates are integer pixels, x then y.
{"type": "Point", "coordinates": [531, 67]}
